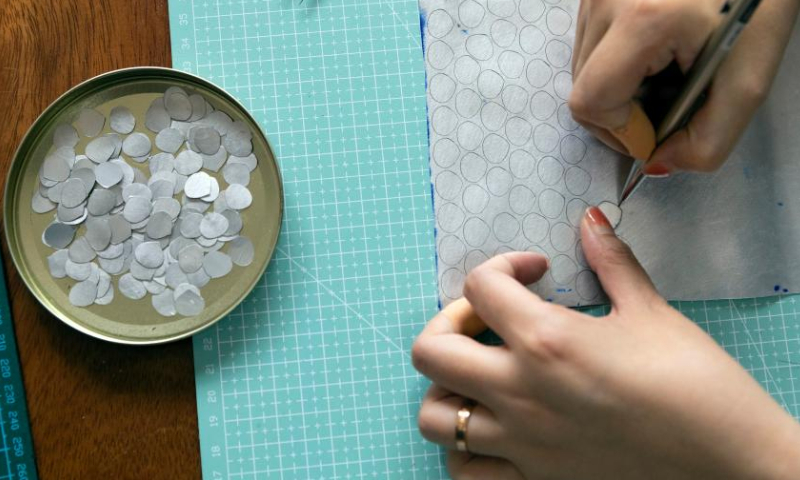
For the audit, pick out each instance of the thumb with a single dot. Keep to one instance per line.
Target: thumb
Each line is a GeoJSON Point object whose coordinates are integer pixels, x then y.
{"type": "Point", "coordinates": [620, 274]}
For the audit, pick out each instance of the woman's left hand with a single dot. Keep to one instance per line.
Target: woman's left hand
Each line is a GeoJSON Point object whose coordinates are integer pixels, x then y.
{"type": "Point", "coordinates": [640, 393]}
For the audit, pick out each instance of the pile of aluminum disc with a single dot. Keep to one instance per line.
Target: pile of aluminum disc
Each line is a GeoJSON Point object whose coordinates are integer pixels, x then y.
{"type": "Point", "coordinates": [150, 216]}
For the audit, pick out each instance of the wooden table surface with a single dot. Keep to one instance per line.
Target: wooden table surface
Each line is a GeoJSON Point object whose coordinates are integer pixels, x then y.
{"type": "Point", "coordinates": [98, 411]}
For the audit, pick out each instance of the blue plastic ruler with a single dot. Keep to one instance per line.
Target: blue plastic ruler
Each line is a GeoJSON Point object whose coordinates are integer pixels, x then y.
{"type": "Point", "coordinates": [16, 447]}
{"type": "Point", "coordinates": [311, 378]}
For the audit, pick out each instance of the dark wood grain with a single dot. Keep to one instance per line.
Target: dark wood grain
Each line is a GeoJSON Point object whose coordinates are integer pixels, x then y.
{"type": "Point", "coordinates": [97, 410]}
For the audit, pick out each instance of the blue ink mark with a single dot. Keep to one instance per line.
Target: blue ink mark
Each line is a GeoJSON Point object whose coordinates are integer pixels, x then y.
{"type": "Point", "coordinates": [563, 290]}
{"type": "Point", "coordinates": [422, 22]}
{"type": "Point", "coordinates": [777, 288]}
{"type": "Point", "coordinates": [780, 204]}
{"type": "Point", "coordinates": [747, 172]}
{"type": "Point", "coordinates": [785, 290]}
{"type": "Point", "coordinates": [464, 31]}
{"type": "Point", "coordinates": [549, 299]}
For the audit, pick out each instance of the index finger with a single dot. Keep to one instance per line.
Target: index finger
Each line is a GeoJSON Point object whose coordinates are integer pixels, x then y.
{"type": "Point", "coordinates": [496, 289]}
{"type": "Point", "coordinates": [445, 353]}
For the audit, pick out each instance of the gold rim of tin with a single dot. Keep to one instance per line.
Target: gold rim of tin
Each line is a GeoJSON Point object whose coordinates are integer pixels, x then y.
{"type": "Point", "coordinates": [52, 112]}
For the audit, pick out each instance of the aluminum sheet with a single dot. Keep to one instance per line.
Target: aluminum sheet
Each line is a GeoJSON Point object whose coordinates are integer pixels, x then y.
{"type": "Point", "coordinates": [512, 171]}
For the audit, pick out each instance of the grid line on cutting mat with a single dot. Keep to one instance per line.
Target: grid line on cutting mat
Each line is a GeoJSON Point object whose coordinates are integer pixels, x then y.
{"type": "Point", "coordinates": [351, 282]}
{"type": "Point", "coordinates": [310, 376]}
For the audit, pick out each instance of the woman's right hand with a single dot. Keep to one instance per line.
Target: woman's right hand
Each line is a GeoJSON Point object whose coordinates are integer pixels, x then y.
{"type": "Point", "coordinates": [618, 43]}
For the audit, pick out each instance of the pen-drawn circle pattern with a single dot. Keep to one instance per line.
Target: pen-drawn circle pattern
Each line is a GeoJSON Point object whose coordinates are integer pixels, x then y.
{"type": "Point", "coordinates": [506, 154]}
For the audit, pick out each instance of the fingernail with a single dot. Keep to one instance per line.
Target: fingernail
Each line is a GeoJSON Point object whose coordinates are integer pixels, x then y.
{"type": "Point", "coordinates": [598, 220]}
{"type": "Point", "coordinates": [656, 170]}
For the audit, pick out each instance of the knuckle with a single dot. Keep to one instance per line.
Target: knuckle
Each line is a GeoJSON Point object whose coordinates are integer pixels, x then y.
{"type": "Point", "coordinates": [709, 163]}
{"type": "Point", "coordinates": [654, 9]}
{"type": "Point", "coordinates": [753, 89]}
{"type": "Point", "coordinates": [666, 18]}
{"type": "Point", "coordinates": [580, 105]}
{"type": "Point", "coordinates": [707, 155]}
{"type": "Point", "coordinates": [474, 281]}
{"type": "Point", "coordinates": [550, 340]}
{"type": "Point", "coordinates": [420, 353]}
{"type": "Point", "coordinates": [426, 421]}
{"type": "Point", "coordinates": [554, 342]}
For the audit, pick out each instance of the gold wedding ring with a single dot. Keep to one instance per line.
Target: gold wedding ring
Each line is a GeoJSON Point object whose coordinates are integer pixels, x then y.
{"type": "Point", "coordinates": [462, 423]}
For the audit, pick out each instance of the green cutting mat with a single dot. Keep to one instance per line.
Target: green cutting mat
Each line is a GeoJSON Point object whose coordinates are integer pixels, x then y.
{"type": "Point", "coordinates": [311, 377]}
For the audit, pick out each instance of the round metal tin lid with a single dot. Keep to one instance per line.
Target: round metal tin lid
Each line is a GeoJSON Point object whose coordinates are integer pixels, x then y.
{"type": "Point", "coordinates": [125, 320]}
